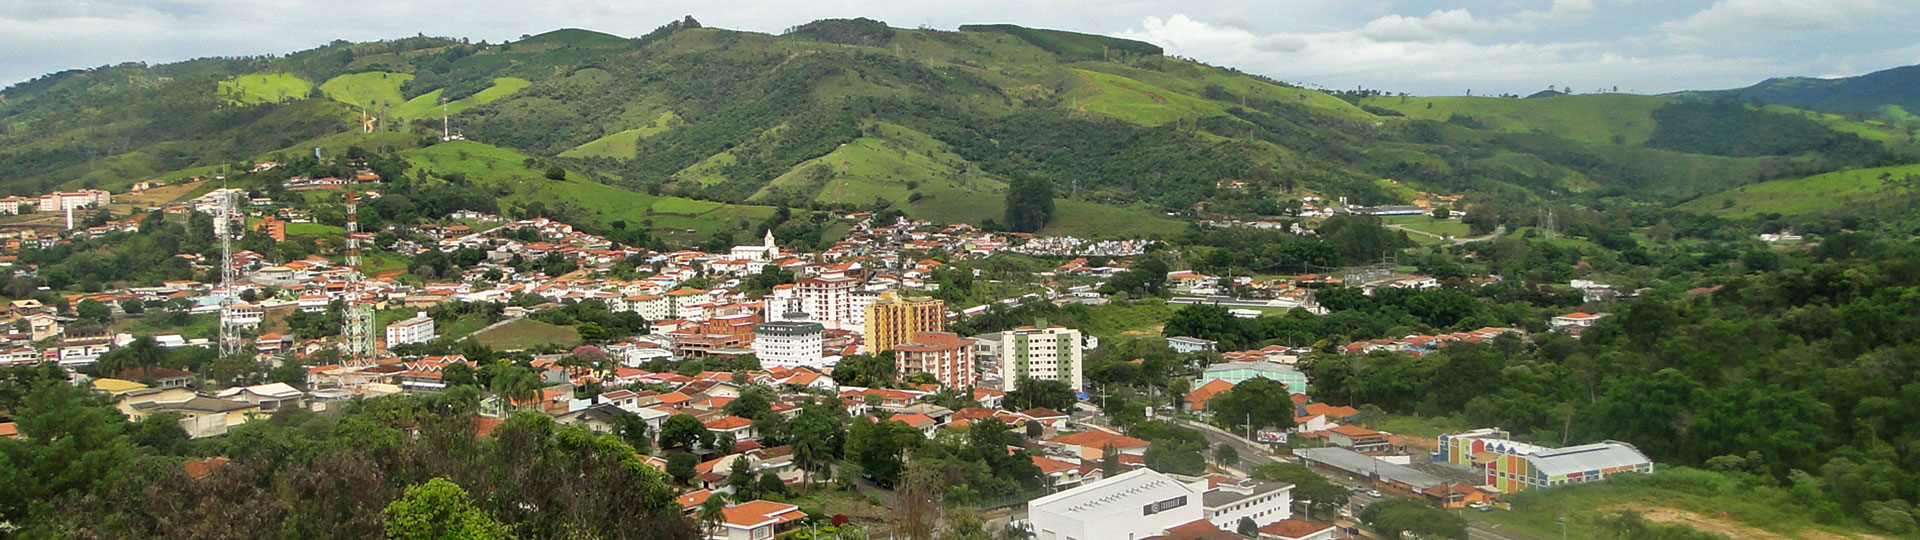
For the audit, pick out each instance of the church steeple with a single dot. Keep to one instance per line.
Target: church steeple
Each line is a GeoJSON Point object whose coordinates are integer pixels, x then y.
{"type": "Point", "coordinates": [769, 242]}
{"type": "Point", "coordinates": [772, 252]}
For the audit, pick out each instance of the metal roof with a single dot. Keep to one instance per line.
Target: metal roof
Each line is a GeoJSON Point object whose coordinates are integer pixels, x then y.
{"type": "Point", "coordinates": [1362, 464]}
{"type": "Point", "coordinates": [1587, 457]}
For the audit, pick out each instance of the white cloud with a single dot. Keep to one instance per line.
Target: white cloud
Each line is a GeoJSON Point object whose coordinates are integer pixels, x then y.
{"type": "Point", "coordinates": [1444, 24]}
{"type": "Point", "coordinates": [1744, 16]}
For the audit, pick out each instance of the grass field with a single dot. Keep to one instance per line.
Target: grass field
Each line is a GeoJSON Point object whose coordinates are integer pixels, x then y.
{"type": "Point", "coordinates": [1109, 321]}
{"type": "Point", "coordinates": [527, 333]}
{"type": "Point", "coordinates": [203, 325]}
{"type": "Point", "coordinates": [1090, 220]}
{"type": "Point", "coordinates": [373, 89]}
{"type": "Point", "coordinates": [624, 144]}
{"type": "Point", "coordinates": [1594, 118]}
{"type": "Point", "coordinates": [489, 164]}
{"type": "Point", "coordinates": [1823, 192]}
{"type": "Point", "coordinates": [313, 229]}
{"type": "Point", "coordinates": [428, 105]}
{"type": "Point", "coordinates": [1700, 499]}
{"type": "Point", "coordinates": [894, 163]}
{"type": "Point", "coordinates": [1134, 101]}
{"type": "Point", "coordinates": [264, 88]}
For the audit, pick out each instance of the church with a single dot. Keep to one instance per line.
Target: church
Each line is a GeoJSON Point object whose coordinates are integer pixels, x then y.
{"type": "Point", "coordinates": [764, 253]}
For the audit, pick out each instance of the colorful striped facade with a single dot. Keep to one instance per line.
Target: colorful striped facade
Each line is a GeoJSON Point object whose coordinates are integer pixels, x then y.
{"type": "Point", "coordinates": [1512, 466]}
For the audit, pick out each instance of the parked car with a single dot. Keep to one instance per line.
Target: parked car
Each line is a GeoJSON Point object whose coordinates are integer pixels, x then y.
{"type": "Point", "coordinates": [1373, 493]}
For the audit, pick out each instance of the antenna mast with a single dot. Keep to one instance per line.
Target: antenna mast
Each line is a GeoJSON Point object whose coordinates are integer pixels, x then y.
{"type": "Point", "coordinates": [357, 320]}
{"type": "Point", "coordinates": [230, 341]}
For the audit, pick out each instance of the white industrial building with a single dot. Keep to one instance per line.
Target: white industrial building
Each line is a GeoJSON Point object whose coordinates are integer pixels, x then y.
{"type": "Point", "coordinates": [1135, 504]}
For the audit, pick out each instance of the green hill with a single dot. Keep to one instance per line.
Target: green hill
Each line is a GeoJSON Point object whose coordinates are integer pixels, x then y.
{"type": "Point", "coordinates": [852, 114]}
{"type": "Point", "coordinates": [1828, 192]}
{"type": "Point", "coordinates": [1888, 94]}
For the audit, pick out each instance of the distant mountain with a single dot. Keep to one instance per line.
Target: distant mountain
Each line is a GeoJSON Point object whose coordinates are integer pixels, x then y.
{"type": "Point", "coordinates": [1892, 94]}
{"type": "Point", "coordinates": [703, 128]}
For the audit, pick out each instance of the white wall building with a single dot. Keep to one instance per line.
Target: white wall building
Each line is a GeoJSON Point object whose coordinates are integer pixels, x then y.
{"type": "Point", "coordinates": [244, 314]}
{"type": "Point", "coordinates": [1040, 352]}
{"type": "Point", "coordinates": [1135, 504]}
{"type": "Point", "coordinates": [1263, 502]}
{"type": "Point", "coordinates": [829, 301]}
{"type": "Point", "coordinates": [789, 344]}
{"type": "Point", "coordinates": [418, 329]}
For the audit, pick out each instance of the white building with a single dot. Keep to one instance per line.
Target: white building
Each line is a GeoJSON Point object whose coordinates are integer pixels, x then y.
{"type": "Point", "coordinates": [1263, 502]}
{"type": "Point", "coordinates": [761, 253]}
{"type": "Point", "coordinates": [789, 344]}
{"type": "Point", "coordinates": [1136, 504]}
{"type": "Point", "coordinates": [244, 314]}
{"type": "Point", "coordinates": [1040, 352]}
{"type": "Point", "coordinates": [829, 300]}
{"type": "Point", "coordinates": [418, 329]}
{"type": "Point", "coordinates": [63, 201]}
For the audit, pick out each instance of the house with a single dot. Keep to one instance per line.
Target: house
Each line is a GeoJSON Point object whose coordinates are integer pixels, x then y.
{"type": "Point", "coordinates": [757, 520]}
{"type": "Point", "coordinates": [921, 422]}
{"type": "Point", "coordinates": [1574, 321]}
{"type": "Point", "coordinates": [1299, 529]}
{"type": "Point", "coordinates": [1197, 399]}
{"type": "Point", "coordinates": [1184, 345]}
{"type": "Point", "coordinates": [1358, 439]}
{"type": "Point", "coordinates": [1050, 418]}
{"type": "Point", "coordinates": [159, 377]}
{"type": "Point", "coordinates": [1060, 474]}
{"type": "Point", "coordinates": [740, 428]}
{"type": "Point", "coordinates": [1091, 445]}
{"type": "Point", "coordinates": [601, 418]}
{"type": "Point", "coordinates": [270, 397]}
{"type": "Point", "coordinates": [199, 416]}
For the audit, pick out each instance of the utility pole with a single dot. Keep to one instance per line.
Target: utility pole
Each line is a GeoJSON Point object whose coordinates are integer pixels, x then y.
{"type": "Point", "coordinates": [230, 341]}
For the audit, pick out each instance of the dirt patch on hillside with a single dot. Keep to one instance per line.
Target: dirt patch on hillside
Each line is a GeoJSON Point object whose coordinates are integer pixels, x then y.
{"type": "Point", "coordinates": [1726, 526]}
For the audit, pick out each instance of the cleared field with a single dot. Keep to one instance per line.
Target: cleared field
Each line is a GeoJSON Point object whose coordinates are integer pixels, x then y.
{"type": "Point", "coordinates": [428, 105]}
{"type": "Point", "coordinates": [1594, 118]}
{"type": "Point", "coordinates": [1823, 192]}
{"type": "Point", "coordinates": [1134, 101]}
{"type": "Point", "coordinates": [624, 144]}
{"type": "Point", "coordinates": [313, 229]}
{"type": "Point", "coordinates": [905, 167]}
{"type": "Point", "coordinates": [264, 88]}
{"type": "Point", "coordinates": [525, 334]}
{"type": "Point", "coordinates": [372, 89]}
{"type": "Point", "coordinates": [1090, 220]}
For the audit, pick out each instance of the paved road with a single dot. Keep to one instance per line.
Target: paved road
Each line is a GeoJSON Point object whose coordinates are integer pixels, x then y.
{"type": "Point", "coordinates": [1497, 232]}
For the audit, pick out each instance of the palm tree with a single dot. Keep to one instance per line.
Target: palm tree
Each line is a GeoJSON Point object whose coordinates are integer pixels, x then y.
{"type": "Point", "coordinates": [516, 384]}
{"type": "Point", "coordinates": [713, 511]}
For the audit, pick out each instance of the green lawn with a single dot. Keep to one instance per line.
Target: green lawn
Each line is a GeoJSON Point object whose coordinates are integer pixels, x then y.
{"type": "Point", "coordinates": [264, 88]}
{"type": "Point", "coordinates": [374, 90]}
{"type": "Point", "coordinates": [1108, 321]}
{"type": "Point", "coordinates": [1823, 192]}
{"type": "Point", "coordinates": [203, 325]}
{"type": "Point", "coordinates": [1090, 220]}
{"type": "Point", "coordinates": [527, 333]}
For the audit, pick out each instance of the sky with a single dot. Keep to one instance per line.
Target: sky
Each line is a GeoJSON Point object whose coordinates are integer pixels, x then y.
{"type": "Point", "coordinates": [1425, 47]}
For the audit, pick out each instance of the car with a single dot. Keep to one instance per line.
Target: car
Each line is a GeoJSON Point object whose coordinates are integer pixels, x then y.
{"type": "Point", "coordinates": [1373, 493]}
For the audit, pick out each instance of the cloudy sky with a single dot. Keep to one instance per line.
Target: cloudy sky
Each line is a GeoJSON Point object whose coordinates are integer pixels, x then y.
{"type": "Point", "coordinates": [1421, 46]}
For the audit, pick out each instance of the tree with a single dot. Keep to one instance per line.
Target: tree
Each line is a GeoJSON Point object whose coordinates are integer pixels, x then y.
{"type": "Point", "coordinates": [713, 512]}
{"type": "Point", "coordinates": [1029, 203]}
{"type": "Point", "coordinates": [440, 510]}
{"type": "Point", "coordinates": [1246, 527]}
{"type": "Point", "coordinates": [1320, 494]}
{"type": "Point", "coordinates": [458, 374]}
{"type": "Point", "coordinates": [680, 467]}
{"type": "Point", "coordinates": [681, 431]}
{"type": "Point", "coordinates": [633, 429]}
{"type": "Point", "coordinates": [815, 433]}
{"type": "Point", "coordinates": [1031, 393]}
{"type": "Point", "coordinates": [1176, 457]}
{"type": "Point", "coordinates": [1260, 401]}
{"type": "Point", "coordinates": [1395, 517]}
{"type": "Point", "coordinates": [879, 447]}
{"type": "Point", "coordinates": [1225, 455]}
{"type": "Point", "coordinates": [517, 384]}
{"type": "Point", "coordinates": [70, 440]}
{"type": "Point", "coordinates": [93, 311]}
{"type": "Point", "coordinates": [740, 477]}
{"type": "Point", "coordinates": [556, 174]}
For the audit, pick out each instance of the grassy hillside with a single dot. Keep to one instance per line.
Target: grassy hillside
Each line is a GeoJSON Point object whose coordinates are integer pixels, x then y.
{"type": "Point", "coordinates": [906, 168]}
{"type": "Point", "coordinates": [373, 90]}
{"type": "Point", "coordinates": [623, 144]}
{"type": "Point", "coordinates": [1867, 95]}
{"type": "Point", "coordinates": [264, 88]}
{"type": "Point", "coordinates": [428, 105]}
{"type": "Point", "coordinates": [506, 170]}
{"type": "Point", "coordinates": [1818, 193]}
{"type": "Point", "coordinates": [1592, 118]}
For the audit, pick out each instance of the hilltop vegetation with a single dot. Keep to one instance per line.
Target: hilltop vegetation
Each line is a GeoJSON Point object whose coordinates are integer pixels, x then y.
{"type": "Point", "coordinates": [853, 114]}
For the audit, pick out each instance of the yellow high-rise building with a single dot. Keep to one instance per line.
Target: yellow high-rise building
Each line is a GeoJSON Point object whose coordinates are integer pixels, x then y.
{"type": "Point", "coordinates": [893, 319]}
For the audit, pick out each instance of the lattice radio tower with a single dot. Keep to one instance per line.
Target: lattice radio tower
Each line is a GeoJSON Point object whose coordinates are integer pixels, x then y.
{"type": "Point", "coordinates": [356, 323]}
{"type": "Point", "coordinates": [231, 342]}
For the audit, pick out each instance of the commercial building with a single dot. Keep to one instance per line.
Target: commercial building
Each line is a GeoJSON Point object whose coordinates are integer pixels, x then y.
{"type": "Point", "coordinates": [944, 355]}
{"type": "Point", "coordinates": [789, 344]}
{"type": "Point", "coordinates": [418, 329]}
{"type": "Point", "coordinates": [63, 201]}
{"type": "Point", "coordinates": [1184, 345]}
{"type": "Point", "coordinates": [1389, 476]}
{"type": "Point", "coordinates": [1041, 352]}
{"type": "Point", "coordinates": [1510, 465]}
{"type": "Point", "coordinates": [1239, 372]}
{"type": "Point", "coordinates": [893, 319]}
{"type": "Point", "coordinates": [1261, 501]}
{"type": "Point", "coordinates": [1135, 504]}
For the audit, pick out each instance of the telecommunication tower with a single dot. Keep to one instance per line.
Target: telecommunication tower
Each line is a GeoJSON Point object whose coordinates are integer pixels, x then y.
{"type": "Point", "coordinates": [231, 342]}
{"type": "Point", "coordinates": [356, 323]}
